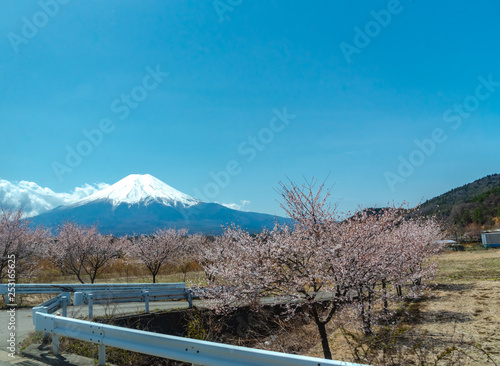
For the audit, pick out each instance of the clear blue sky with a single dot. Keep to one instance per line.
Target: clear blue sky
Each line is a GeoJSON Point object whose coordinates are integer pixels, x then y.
{"type": "Point", "coordinates": [419, 70]}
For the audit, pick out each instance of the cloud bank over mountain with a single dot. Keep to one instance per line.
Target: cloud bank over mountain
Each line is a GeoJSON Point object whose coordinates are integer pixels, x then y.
{"type": "Point", "coordinates": [33, 199]}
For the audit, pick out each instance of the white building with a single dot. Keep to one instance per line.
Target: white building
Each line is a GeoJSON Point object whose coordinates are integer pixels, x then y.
{"type": "Point", "coordinates": [491, 240]}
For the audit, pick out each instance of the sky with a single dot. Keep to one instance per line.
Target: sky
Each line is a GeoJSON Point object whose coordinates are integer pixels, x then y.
{"type": "Point", "coordinates": [385, 100]}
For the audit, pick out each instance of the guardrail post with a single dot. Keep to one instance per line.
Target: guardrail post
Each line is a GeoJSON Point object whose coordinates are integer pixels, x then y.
{"type": "Point", "coordinates": [102, 355]}
{"type": "Point", "coordinates": [78, 299]}
{"type": "Point", "coordinates": [189, 298]}
{"type": "Point", "coordinates": [64, 306]}
{"type": "Point", "coordinates": [146, 301]}
{"type": "Point", "coordinates": [55, 343]}
{"type": "Point", "coordinates": [91, 305]}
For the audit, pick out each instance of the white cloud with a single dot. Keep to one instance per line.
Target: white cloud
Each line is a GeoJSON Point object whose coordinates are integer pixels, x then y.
{"type": "Point", "coordinates": [236, 206]}
{"type": "Point", "coordinates": [33, 199]}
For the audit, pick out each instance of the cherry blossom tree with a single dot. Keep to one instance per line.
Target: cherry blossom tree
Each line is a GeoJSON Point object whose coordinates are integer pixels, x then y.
{"type": "Point", "coordinates": [231, 267]}
{"type": "Point", "coordinates": [287, 264]}
{"type": "Point", "coordinates": [80, 251]}
{"type": "Point", "coordinates": [323, 262]}
{"type": "Point", "coordinates": [384, 248]}
{"type": "Point", "coordinates": [414, 242]}
{"type": "Point", "coordinates": [157, 249]}
{"type": "Point", "coordinates": [189, 252]}
{"type": "Point", "coordinates": [19, 244]}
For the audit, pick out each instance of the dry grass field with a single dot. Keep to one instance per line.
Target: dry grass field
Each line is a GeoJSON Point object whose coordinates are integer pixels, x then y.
{"type": "Point", "coordinates": [466, 301]}
{"type": "Point", "coordinates": [457, 323]}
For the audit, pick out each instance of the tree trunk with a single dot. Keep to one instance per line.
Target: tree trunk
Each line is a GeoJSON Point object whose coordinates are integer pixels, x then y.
{"type": "Point", "coordinates": [368, 322]}
{"type": "Point", "coordinates": [386, 305]}
{"type": "Point", "coordinates": [324, 340]}
{"type": "Point", "coordinates": [93, 276]}
{"type": "Point", "coordinates": [154, 277]}
{"type": "Point", "coordinates": [323, 334]}
{"type": "Point", "coordinates": [365, 310]}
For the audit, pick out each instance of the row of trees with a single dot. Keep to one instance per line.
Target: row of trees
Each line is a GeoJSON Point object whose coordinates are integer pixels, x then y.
{"type": "Point", "coordinates": [84, 252]}
{"type": "Point", "coordinates": [325, 263]}
{"type": "Point", "coordinates": [18, 241]}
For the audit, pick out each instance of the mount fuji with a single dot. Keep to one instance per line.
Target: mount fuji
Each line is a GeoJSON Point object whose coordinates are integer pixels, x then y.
{"type": "Point", "coordinates": [140, 204]}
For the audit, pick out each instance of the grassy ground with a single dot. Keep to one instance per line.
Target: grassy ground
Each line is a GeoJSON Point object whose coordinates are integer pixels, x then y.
{"type": "Point", "coordinates": [458, 322]}
{"type": "Point", "coordinates": [469, 266]}
{"type": "Point", "coordinates": [466, 300]}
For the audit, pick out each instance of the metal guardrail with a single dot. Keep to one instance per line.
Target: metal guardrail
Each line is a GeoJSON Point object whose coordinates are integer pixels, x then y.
{"type": "Point", "coordinates": [134, 295]}
{"type": "Point", "coordinates": [101, 294]}
{"type": "Point", "coordinates": [120, 296]}
{"type": "Point", "coordinates": [177, 348]}
{"type": "Point", "coordinates": [188, 350]}
{"type": "Point", "coordinates": [52, 305]}
{"type": "Point", "coordinates": [46, 288]}
{"type": "Point", "coordinates": [104, 294]}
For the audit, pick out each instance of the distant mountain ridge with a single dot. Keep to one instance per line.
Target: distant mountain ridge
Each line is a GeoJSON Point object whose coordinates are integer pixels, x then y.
{"type": "Point", "coordinates": [140, 204]}
{"type": "Point", "coordinates": [476, 202]}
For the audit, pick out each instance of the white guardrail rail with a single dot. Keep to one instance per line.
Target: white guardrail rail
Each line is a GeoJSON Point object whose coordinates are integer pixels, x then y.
{"type": "Point", "coordinates": [49, 288]}
{"type": "Point", "coordinates": [51, 306]}
{"type": "Point", "coordinates": [187, 350]}
{"type": "Point", "coordinates": [182, 349]}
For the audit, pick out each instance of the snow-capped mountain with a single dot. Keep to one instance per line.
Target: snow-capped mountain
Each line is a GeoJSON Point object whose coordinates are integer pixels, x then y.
{"type": "Point", "coordinates": [139, 189]}
{"type": "Point", "coordinates": [140, 204]}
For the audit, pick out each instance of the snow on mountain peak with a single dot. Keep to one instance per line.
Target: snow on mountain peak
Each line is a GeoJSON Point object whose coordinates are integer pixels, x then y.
{"type": "Point", "coordinates": [140, 188]}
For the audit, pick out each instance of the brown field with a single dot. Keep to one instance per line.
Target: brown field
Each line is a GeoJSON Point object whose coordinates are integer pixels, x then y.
{"type": "Point", "coordinates": [466, 300]}
{"type": "Point", "coordinates": [457, 323]}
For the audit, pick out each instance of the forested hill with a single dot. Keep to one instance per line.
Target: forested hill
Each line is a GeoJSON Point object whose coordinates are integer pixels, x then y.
{"type": "Point", "coordinates": [476, 202]}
